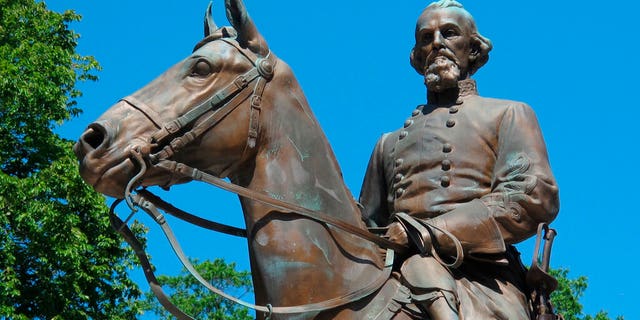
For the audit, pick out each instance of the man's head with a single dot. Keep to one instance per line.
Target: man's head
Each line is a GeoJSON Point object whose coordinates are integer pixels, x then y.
{"type": "Point", "coordinates": [448, 46]}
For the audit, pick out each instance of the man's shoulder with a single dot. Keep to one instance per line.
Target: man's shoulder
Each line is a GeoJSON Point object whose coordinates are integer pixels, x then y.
{"type": "Point", "coordinates": [500, 105]}
{"type": "Point", "coordinates": [498, 102]}
{"type": "Point", "coordinates": [388, 139]}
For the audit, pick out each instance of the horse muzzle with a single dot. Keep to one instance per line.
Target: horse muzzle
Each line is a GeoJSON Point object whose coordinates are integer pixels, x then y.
{"type": "Point", "coordinates": [101, 164]}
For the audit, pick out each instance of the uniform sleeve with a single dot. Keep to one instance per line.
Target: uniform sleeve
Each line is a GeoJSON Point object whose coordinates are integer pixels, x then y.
{"type": "Point", "coordinates": [374, 191]}
{"type": "Point", "coordinates": [523, 194]}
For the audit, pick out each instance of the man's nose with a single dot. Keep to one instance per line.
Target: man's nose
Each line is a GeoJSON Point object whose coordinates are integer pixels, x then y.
{"type": "Point", "coordinates": [437, 40]}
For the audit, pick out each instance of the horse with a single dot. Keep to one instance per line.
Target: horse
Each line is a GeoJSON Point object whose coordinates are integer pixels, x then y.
{"type": "Point", "coordinates": [232, 109]}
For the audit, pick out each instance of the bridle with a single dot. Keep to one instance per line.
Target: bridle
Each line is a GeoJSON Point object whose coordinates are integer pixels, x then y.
{"type": "Point", "coordinates": [168, 140]}
{"type": "Point", "coordinates": [220, 104]}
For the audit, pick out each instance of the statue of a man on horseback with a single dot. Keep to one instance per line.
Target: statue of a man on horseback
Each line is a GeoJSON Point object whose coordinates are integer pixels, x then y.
{"type": "Point", "coordinates": [463, 180]}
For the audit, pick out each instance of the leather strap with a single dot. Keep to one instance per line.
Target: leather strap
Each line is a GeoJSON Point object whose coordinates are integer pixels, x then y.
{"type": "Point", "coordinates": [149, 112]}
{"type": "Point", "coordinates": [147, 268]}
{"type": "Point", "coordinates": [221, 103]}
{"type": "Point", "coordinates": [195, 174]}
{"type": "Point", "coordinates": [420, 231]}
{"type": "Point", "coordinates": [208, 122]}
{"type": "Point", "coordinates": [159, 218]}
{"type": "Point", "coordinates": [185, 216]}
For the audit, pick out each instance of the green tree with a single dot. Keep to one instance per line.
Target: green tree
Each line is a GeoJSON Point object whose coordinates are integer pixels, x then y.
{"type": "Point", "coordinates": [196, 300]}
{"type": "Point", "coordinates": [39, 68]}
{"type": "Point", "coordinates": [566, 297]}
{"type": "Point", "coordinates": [59, 257]}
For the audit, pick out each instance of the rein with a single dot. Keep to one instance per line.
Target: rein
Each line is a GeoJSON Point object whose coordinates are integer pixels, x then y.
{"type": "Point", "coordinates": [159, 218]}
{"type": "Point", "coordinates": [221, 103]}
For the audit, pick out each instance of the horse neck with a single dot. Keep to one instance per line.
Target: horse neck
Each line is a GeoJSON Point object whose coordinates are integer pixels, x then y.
{"type": "Point", "coordinates": [295, 163]}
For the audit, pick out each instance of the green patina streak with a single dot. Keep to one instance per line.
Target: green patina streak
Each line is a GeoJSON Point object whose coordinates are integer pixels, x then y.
{"type": "Point", "coordinates": [309, 200]}
{"type": "Point", "coordinates": [302, 153]}
{"type": "Point", "coordinates": [273, 151]}
{"type": "Point", "coordinates": [274, 195]}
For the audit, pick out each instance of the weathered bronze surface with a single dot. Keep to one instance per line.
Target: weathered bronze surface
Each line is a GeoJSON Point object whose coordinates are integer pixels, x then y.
{"type": "Point", "coordinates": [471, 171]}
{"type": "Point", "coordinates": [472, 166]}
{"type": "Point", "coordinates": [269, 142]}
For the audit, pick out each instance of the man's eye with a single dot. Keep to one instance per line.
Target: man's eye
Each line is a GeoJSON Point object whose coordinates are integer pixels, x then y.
{"type": "Point", "coordinates": [427, 37]}
{"type": "Point", "coordinates": [449, 33]}
{"type": "Point", "coordinates": [202, 68]}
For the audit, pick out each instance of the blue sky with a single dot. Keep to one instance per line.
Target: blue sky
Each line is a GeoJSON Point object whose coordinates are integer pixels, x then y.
{"type": "Point", "coordinates": [572, 61]}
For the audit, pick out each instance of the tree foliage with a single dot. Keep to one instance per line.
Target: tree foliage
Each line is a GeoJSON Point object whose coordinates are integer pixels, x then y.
{"type": "Point", "coordinates": [59, 257]}
{"type": "Point", "coordinates": [39, 68]}
{"type": "Point", "coordinates": [566, 297]}
{"type": "Point", "coordinates": [196, 300]}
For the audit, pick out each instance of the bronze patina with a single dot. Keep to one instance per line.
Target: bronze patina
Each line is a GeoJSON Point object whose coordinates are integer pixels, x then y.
{"type": "Point", "coordinates": [461, 164]}
{"type": "Point", "coordinates": [233, 109]}
{"type": "Point", "coordinates": [466, 176]}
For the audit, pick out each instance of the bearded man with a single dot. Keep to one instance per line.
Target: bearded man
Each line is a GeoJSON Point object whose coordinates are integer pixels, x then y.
{"type": "Point", "coordinates": [465, 177]}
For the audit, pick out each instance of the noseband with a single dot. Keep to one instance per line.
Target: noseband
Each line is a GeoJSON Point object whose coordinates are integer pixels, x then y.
{"type": "Point", "coordinates": [221, 103]}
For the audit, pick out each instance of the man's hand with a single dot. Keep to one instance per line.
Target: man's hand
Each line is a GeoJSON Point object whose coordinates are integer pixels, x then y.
{"type": "Point", "coordinates": [397, 234]}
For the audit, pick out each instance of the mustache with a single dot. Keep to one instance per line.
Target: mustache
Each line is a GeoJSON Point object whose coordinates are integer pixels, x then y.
{"type": "Point", "coordinates": [444, 52]}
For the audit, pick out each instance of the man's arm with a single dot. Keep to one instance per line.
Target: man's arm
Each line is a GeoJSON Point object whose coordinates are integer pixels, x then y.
{"type": "Point", "coordinates": [374, 193]}
{"type": "Point", "coordinates": [524, 192]}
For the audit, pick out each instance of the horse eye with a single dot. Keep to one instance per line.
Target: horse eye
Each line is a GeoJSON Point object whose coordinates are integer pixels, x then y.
{"type": "Point", "coordinates": [201, 68]}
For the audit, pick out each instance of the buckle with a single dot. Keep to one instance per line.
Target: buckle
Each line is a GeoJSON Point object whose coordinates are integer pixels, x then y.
{"type": "Point", "coordinates": [256, 101]}
{"type": "Point", "coordinates": [240, 81]}
{"type": "Point", "coordinates": [172, 127]}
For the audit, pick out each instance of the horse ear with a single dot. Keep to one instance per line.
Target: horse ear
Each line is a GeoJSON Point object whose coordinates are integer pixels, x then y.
{"type": "Point", "coordinates": [248, 35]}
{"type": "Point", "coordinates": [209, 25]}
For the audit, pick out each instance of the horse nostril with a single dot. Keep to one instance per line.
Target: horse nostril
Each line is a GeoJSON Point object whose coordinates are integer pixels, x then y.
{"type": "Point", "coordinates": [94, 136]}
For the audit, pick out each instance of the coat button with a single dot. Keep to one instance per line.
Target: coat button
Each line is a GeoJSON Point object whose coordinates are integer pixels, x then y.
{"type": "Point", "coordinates": [459, 101]}
{"type": "Point", "coordinates": [445, 181]}
{"type": "Point", "coordinates": [399, 162]}
{"type": "Point", "coordinates": [415, 112]}
{"type": "Point", "coordinates": [398, 177]}
{"type": "Point", "coordinates": [399, 192]}
{"type": "Point", "coordinates": [403, 134]}
{"type": "Point", "coordinates": [408, 123]}
{"type": "Point", "coordinates": [446, 165]}
{"type": "Point", "coordinates": [451, 123]}
{"type": "Point", "coordinates": [453, 109]}
{"type": "Point", "coordinates": [446, 148]}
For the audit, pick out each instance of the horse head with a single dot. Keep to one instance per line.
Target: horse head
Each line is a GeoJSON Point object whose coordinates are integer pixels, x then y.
{"type": "Point", "coordinates": [222, 70]}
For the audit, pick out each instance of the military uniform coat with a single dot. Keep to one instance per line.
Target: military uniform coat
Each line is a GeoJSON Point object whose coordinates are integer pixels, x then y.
{"type": "Point", "coordinates": [478, 168]}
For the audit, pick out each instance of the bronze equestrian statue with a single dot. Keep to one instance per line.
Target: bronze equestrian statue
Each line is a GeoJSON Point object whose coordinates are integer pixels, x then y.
{"type": "Point", "coordinates": [233, 109]}
{"type": "Point", "coordinates": [463, 170]}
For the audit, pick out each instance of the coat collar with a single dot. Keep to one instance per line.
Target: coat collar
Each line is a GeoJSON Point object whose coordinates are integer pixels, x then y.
{"type": "Point", "coordinates": [465, 88]}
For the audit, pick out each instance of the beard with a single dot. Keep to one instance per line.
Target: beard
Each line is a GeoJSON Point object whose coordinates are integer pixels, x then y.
{"type": "Point", "coordinates": [443, 73]}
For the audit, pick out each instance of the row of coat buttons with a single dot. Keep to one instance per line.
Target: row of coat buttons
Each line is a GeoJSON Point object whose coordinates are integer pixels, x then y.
{"type": "Point", "coordinates": [403, 134]}
{"type": "Point", "coordinates": [445, 180]}
{"type": "Point", "coordinates": [398, 177]}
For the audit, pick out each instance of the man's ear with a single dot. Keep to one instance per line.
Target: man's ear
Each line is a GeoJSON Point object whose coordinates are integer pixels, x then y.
{"type": "Point", "coordinates": [479, 55]}
{"type": "Point", "coordinates": [475, 52]}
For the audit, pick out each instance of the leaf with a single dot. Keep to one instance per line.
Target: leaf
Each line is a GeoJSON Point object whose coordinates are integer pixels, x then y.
{"type": "Point", "coordinates": [60, 259]}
